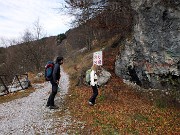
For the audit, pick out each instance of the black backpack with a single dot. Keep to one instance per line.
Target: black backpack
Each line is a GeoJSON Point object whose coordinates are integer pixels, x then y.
{"type": "Point", "coordinates": [49, 70]}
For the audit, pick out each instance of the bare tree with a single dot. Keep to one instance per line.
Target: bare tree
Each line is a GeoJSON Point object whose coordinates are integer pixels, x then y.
{"type": "Point", "coordinates": [101, 18]}
{"type": "Point", "coordinates": [29, 55]}
{"type": "Point", "coordinates": [83, 10]}
{"type": "Point", "coordinates": [38, 30]}
{"type": "Point", "coordinates": [34, 48]}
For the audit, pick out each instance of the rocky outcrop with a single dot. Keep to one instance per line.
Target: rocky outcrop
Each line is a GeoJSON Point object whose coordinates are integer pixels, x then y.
{"type": "Point", "coordinates": [103, 78]}
{"type": "Point", "coordinates": [151, 58]}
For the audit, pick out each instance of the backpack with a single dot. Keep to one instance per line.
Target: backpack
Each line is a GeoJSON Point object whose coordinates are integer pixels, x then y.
{"type": "Point", "coordinates": [88, 76]}
{"type": "Point", "coordinates": [49, 70]}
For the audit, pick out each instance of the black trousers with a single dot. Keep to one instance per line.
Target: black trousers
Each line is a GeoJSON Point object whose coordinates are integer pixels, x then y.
{"type": "Point", "coordinates": [94, 95]}
{"type": "Point", "coordinates": [50, 101]}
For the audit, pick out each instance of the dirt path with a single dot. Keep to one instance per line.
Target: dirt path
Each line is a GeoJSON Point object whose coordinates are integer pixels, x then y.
{"type": "Point", "coordinates": [29, 115]}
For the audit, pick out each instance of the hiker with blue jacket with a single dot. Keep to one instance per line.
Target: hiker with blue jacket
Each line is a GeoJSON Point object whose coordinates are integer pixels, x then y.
{"type": "Point", "coordinates": [94, 84]}
{"type": "Point", "coordinates": [55, 82]}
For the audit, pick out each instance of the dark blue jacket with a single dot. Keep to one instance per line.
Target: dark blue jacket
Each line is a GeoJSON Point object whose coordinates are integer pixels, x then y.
{"type": "Point", "coordinates": [56, 72]}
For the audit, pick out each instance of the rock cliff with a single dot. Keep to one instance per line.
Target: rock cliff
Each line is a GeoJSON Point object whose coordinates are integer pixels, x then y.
{"type": "Point", "coordinates": [151, 57]}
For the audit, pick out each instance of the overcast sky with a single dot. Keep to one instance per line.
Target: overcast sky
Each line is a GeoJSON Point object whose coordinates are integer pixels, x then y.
{"type": "Point", "coordinates": [18, 15]}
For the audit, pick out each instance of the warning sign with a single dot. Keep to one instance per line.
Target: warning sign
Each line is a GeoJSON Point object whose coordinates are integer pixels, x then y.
{"type": "Point", "coordinates": [97, 58]}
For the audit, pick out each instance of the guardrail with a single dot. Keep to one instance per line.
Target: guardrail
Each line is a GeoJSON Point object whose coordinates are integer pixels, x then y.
{"type": "Point", "coordinates": [20, 82]}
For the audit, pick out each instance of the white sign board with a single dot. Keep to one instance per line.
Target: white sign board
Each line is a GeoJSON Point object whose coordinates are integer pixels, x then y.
{"type": "Point", "coordinates": [97, 58]}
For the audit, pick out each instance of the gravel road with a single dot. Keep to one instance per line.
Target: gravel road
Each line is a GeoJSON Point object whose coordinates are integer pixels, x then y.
{"type": "Point", "coordinates": [29, 116]}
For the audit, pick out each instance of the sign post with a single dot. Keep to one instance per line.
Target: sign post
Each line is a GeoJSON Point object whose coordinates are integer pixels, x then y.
{"type": "Point", "coordinates": [98, 58]}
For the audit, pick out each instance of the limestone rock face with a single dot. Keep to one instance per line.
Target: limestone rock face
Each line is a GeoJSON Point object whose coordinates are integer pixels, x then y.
{"type": "Point", "coordinates": [152, 55]}
{"type": "Point", "coordinates": [103, 77]}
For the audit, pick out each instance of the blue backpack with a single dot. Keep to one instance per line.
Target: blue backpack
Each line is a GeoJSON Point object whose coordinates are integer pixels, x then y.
{"type": "Point", "coordinates": [49, 70]}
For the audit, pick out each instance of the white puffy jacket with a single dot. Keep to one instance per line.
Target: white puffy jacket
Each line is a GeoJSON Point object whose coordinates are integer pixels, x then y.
{"type": "Point", "coordinates": [94, 78]}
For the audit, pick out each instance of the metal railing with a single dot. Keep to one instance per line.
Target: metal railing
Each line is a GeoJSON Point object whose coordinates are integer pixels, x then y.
{"type": "Point", "coordinates": [18, 81]}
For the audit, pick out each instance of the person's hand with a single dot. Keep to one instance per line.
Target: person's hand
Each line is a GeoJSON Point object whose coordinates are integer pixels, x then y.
{"type": "Point", "coordinates": [57, 81]}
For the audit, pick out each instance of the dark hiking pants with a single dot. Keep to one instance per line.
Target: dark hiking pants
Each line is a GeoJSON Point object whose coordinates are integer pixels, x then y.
{"type": "Point", "coordinates": [53, 94]}
{"type": "Point", "coordinates": [94, 95]}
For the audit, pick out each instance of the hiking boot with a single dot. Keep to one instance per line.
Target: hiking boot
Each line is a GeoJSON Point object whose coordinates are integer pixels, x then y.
{"type": "Point", "coordinates": [47, 105]}
{"type": "Point", "coordinates": [90, 103]}
{"type": "Point", "coordinates": [53, 107]}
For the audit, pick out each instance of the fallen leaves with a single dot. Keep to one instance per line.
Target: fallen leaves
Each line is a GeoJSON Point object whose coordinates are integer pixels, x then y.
{"type": "Point", "coordinates": [120, 110]}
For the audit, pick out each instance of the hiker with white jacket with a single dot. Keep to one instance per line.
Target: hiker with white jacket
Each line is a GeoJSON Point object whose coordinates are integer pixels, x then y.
{"type": "Point", "coordinates": [94, 84]}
